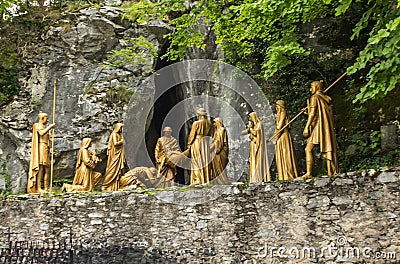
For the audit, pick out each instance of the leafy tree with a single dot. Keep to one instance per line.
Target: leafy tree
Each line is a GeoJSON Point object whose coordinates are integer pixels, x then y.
{"type": "Point", "coordinates": [261, 37]}
{"type": "Point", "coordinates": [381, 55]}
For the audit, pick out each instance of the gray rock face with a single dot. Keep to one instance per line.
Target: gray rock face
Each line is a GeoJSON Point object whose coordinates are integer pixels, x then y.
{"type": "Point", "coordinates": [389, 137]}
{"type": "Point", "coordinates": [85, 107]}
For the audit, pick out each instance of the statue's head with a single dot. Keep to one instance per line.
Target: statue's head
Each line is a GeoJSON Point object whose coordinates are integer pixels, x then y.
{"type": "Point", "coordinates": [167, 131]}
{"type": "Point", "coordinates": [86, 142]}
{"type": "Point", "coordinates": [280, 104]}
{"type": "Point", "coordinates": [253, 117]}
{"type": "Point", "coordinates": [43, 117]}
{"type": "Point", "coordinates": [201, 112]}
{"type": "Point", "coordinates": [218, 121]}
{"type": "Point", "coordinates": [316, 86]}
{"type": "Point", "coordinates": [118, 127]}
{"type": "Point", "coordinates": [153, 170]}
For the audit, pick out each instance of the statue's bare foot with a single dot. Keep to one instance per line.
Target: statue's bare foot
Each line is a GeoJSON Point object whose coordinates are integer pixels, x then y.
{"type": "Point", "coordinates": [306, 176]}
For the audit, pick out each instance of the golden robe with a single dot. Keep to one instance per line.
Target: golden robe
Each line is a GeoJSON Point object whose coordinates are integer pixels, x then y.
{"type": "Point", "coordinates": [323, 130]}
{"type": "Point", "coordinates": [166, 168]}
{"type": "Point", "coordinates": [115, 162]}
{"type": "Point", "coordinates": [39, 156]}
{"type": "Point", "coordinates": [85, 178]}
{"type": "Point", "coordinates": [258, 151]}
{"type": "Point", "coordinates": [286, 161]}
{"type": "Point", "coordinates": [132, 177]}
{"type": "Point", "coordinates": [220, 160]}
{"type": "Point", "coordinates": [200, 167]}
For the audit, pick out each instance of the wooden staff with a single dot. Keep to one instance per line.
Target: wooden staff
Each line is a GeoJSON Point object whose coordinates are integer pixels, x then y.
{"type": "Point", "coordinates": [52, 137]}
{"type": "Point", "coordinates": [304, 109]}
{"type": "Point", "coordinates": [268, 176]}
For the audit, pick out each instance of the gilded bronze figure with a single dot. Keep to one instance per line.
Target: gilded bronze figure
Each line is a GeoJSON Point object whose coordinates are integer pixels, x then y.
{"type": "Point", "coordinates": [198, 144]}
{"type": "Point", "coordinates": [220, 152]}
{"type": "Point", "coordinates": [285, 155]}
{"type": "Point", "coordinates": [85, 178]}
{"type": "Point", "coordinates": [258, 150]}
{"type": "Point", "coordinates": [166, 145]}
{"type": "Point", "coordinates": [116, 160]}
{"type": "Point", "coordinates": [137, 176]}
{"type": "Point", "coordinates": [39, 167]}
{"type": "Point", "coordinates": [320, 130]}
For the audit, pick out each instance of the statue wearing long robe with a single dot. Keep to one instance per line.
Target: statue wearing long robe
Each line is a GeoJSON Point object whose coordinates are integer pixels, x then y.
{"type": "Point", "coordinates": [320, 122]}
{"type": "Point", "coordinates": [220, 150]}
{"type": "Point", "coordinates": [85, 178]}
{"type": "Point", "coordinates": [285, 155]}
{"type": "Point", "coordinates": [39, 166]}
{"type": "Point", "coordinates": [198, 143]}
{"type": "Point", "coordinates": [167, 169]}
{"type": "Point", "coordinates": [116, 159]}
{"type": "Point", "coordinates": [258, 150]}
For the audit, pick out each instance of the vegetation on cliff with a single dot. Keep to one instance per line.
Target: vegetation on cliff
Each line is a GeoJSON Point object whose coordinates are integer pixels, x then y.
{"type": "Point", "coordinates": [282, 44]}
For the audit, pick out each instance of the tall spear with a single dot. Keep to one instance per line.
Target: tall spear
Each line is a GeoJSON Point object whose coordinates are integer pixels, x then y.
{"type": "Point", "coordinates": [52, 136]}
{"type": "Point", "coordinates": [304, 109]}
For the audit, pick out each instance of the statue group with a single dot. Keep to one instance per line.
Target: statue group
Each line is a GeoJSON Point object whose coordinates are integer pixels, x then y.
{"type": "Point", "coordinates": [208, 160]}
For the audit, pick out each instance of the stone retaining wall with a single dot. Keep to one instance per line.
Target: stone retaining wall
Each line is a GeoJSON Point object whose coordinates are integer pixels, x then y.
{"type": "Point", "coordinates": [350, 218]}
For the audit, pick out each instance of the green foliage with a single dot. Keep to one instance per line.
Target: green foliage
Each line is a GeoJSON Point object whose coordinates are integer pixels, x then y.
{"type": "Point", "coordinates": [263, 32]}
{"type": "Point", "coordinates": [135, 54]}
{"type": "Point", "coordinates": [261, 37]}
{"type": "Point", "coordinates": [366, 152]}
{"type": "Point", "coordinates": [381, 55]}
{"type": "Point", "coordinates": [119, 94]}
{"type": "Point", "coordinates": [9, 85]}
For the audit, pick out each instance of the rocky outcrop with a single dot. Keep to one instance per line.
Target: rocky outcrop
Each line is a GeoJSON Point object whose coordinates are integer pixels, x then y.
{"type": "Point", "coordinates": [90, 96]}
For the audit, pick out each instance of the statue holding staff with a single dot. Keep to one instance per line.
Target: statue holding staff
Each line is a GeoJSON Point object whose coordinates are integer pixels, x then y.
{"type": "Point", "coordinates": [115, 161]}
{"type": "Point", "coordinates": [320, 130]}
{"type": "Point", "coordinates": [285, 155]}
{"type": "Point", "coordinates": [259, 167]}
{"type": "Point", "coordinates": [220, 151]}
{"type": "Point", "coordinates": [39, 167]}
{"type": "Point", "coordinates": [198, 143]}
{"type": "Point", "coordinates": [165, 147]}
{"type": "Point", "coordinates": [85, 178]}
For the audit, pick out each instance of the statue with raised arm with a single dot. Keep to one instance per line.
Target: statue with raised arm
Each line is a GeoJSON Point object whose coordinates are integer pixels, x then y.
{"type": "Point", "coordinates": [166, 146]}
{"type": "Point", "coordinates": [199, 146]}
{"type": "Point", "coordinates": [258, 150]}
{"type": "Point", "coordinates": [320, 130]}
{"type": "Point", "coordinates": [39, 166]}
{"type": "Point", "coordinates": [285, 155]}
{"type": "Point", "coordinates": [220, 152]}
{"type": "Point", "coordinates": [85, 177]}
{"type": "Point", "coordinates": [115, 161]}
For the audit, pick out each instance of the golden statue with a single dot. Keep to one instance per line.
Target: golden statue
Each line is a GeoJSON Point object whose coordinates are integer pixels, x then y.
{"type": "Point", "coordinates": [139, 176]}
{"type": "Point", "coordinates": [166, 169]}
{"type": "Point", "coordinates": [116, 159]}
{"type": "Point", "coordinates": [258, 150]}
{"type": "Point", "coordinates": [131, 177]}
{"type": "Point", "coordinates": [220, 151]}
{"type": "Point", "coordinates": [320, 123]}
{"type": "Point", "coordinates": [39, 167]}
{"type": "Point", "coordinates": [85, 178]}
{"type": "Point", "coordinates": [200, 165]}
{"type": "Point", "coordinates": [285, 155]}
